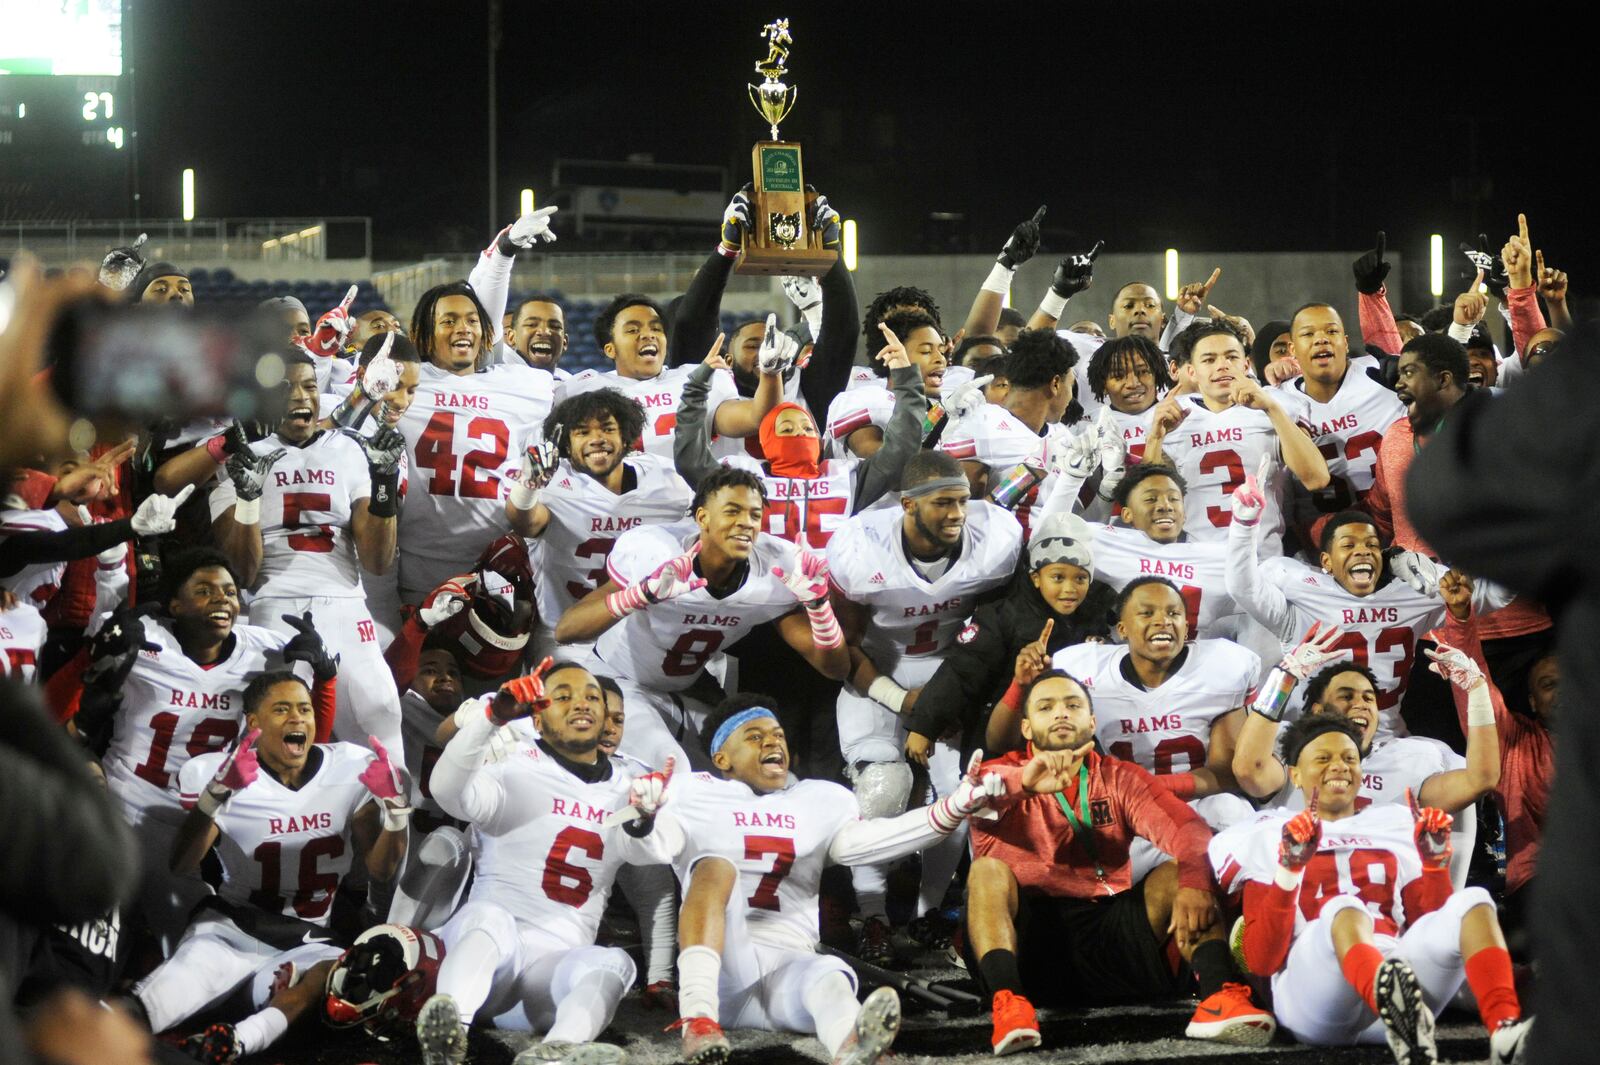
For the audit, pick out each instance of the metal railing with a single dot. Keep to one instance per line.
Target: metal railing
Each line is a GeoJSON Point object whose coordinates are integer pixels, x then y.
{"type": "Point", "coordinates": [585, 273]}
{"type": "Point", "coordinates": [202, 240]}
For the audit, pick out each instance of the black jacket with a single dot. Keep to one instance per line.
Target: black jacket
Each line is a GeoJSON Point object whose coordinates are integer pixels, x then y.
{"type": "Point", "coordinates": [980, 666]}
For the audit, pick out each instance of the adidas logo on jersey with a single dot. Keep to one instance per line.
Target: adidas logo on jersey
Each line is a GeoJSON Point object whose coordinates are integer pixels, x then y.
{"type": "Point", "coordinates": [876, 578]}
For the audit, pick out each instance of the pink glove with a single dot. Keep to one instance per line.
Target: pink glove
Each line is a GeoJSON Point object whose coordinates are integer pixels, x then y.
{"type": "Point", "coordinates": [1455, 666]}
{"type": "Point", "coordinates": [1316, 649]}
{"type": "Point", "coordinates": [380, 777]}
{"type": "Point", "coordinates": [1248, 502]}
{"type": "Point", "coordinates": [975, 792]}
{"type": "Point", "coordinates": [810, 583]}
{"type": "Point", "coordinates": [241, 767]}
{"type": "Point", "coordinates": [672, 578]}
{"type": "Point", "coordinates": [328, 338]}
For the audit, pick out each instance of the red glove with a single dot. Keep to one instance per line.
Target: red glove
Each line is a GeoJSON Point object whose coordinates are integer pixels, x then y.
{"type": "Point", "coordinates": [1432, 833]}
{"type": "Point", "coordinates": [328, 338]}
{"type": "Point", "coordinates": [522, 691]}
{"type": "Point", "coordinates": [1302, 833]}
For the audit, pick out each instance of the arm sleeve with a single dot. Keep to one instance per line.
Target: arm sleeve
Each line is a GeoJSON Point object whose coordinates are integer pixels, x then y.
{"type": "Point", "coordinates": [1521, 535]}
{"type": "Point", "coordinates": [1526, 318]}
{"type": "Point", "coordinates": [902, 439]}
{"type": "Point", "coordinates": [69, 856]}
{"type": "Point", "coordinates": [1263, 599]}
{"type": "Point", "coordinates": [404, 652]}
{"type": "Point", "coordinates": [460, 784]}
{"type": "Point", "coordinates": [1269, 913]}
{"type": "Point", "coordinates": [964, 680]}
{"type": "Point", "coordinates": [1163, 819]}
{"type": "Point", "coordinates": [1378, 503]}
{"type": "Point", "coordinates": [1377, 321]}
{"type": "Point", "coordinates": [826, 375]}
{"type": "Point", "coordinates": [691, 444]}
{"type": "Point", "coordinates": [491, 279]}
{"type": "Point", "coordinates": [325, 705]}
{"type": "Point", "coordinates": [694, 322]}
{"type": "Point", "coordinates": [662, 845]}
{"type": "Point", "coordinates": [1426, 893]}
{"type": "Point", "coordinates": [21, 549]}
{"type": "Point", "coordinates": [884, 839]}
{"type": "Point", "coordinates": [1177, 322]}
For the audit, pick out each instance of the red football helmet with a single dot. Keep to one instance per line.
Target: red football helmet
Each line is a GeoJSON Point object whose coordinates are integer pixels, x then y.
{"type": "Point", "coordinates": [489, 635]}
{"type": "Point", "coordinates": [383, 979]}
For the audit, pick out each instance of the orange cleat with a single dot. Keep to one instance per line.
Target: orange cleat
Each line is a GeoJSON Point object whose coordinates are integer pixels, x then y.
{"type": "Point", "coordinates": [1228, 1016]}
{"type": "Point", "coordinates": [1016, 1026]}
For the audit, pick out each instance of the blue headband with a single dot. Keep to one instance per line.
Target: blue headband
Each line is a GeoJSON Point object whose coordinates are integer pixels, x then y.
{"type": "Point", "coordinates": [743, 717]}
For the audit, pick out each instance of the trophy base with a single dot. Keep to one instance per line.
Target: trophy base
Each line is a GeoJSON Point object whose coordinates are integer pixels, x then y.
{"type": "Point", "coordinates": [779, 262]}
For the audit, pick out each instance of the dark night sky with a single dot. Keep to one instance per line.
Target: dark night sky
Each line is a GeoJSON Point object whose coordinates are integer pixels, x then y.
{"type": "Point", "coordinates": [1259, 127]}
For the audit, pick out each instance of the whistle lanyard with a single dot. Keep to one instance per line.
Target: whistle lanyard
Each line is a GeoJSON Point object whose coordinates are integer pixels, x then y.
{"type": "Point", "coordinates": [1081, 822]}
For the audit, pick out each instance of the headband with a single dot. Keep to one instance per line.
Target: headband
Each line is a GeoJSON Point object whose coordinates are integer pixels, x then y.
{"type": "Point", "coordinates": [938, 484]}
{"type": "Point", "coordinates": [743, 717]}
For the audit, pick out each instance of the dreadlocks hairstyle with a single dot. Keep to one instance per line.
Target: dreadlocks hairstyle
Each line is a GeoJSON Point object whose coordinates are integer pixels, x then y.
{"type": "Point", "coordinates": [1037, 357]}
{"type": "Point", "coordinates": [606, 317]}
{"type": "Point", "coordinates": [422, 318]}
{"type": "Point", "coordinates": [1301, 732]}
{"type": "Point", "coordinates": [726, 477]}
{"type": "Point", "coordinates": [595, 406]}
{"type": "Point", "coordinates": [1120, 356]}
{"type": "Point", "coordinates": [1141, 473]}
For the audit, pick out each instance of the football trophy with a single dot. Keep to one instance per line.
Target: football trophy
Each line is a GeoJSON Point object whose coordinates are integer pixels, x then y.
{"type": "Point", "coordinates": [778, 240]}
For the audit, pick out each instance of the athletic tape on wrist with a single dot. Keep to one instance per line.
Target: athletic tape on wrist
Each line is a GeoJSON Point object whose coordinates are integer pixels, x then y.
{"type": "Point", "coordinates": [247, 512]}
{"type": "Point", "coordinates": [885, 692]}
{"type": "Point", "coordinates": [999, 279]}
{"type": "Point", "coordinates": [1053, 304]}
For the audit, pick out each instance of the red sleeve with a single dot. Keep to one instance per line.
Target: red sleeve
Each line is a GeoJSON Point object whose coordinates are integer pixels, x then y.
{"type": "Point", "coordinates": [1378, 502]}
{"type": "Point", "coordinates": [1163, 819]}
{"type": "Point", "coordinates": [1377, 321]}
{"type": "Point", "coordinates": [1268, 926]}
{"type": "Point", "coordinates": [1426, 893]}
{"type": "Point", "coordinates": [1181, 785]}
{"type": "Point", "coordinates": [325, 706]}
{"type": "Point", "coordinates": [403, 653]}
{"type": "Point", "coordinates": [1526, 318]}
{"type": "Point", "coordinates": [64, 687]}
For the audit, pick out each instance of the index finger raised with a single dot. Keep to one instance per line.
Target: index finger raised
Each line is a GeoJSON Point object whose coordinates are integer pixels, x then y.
{"type": "Point", "coordinates": [1038, 216]}
{"type": "Point", "coordinates": [1522, 227]}
{"type": "Point", "coordinates": [1212, 280]}
{"type": "Point", "coordinates": [349, 297]}
{"type": "Point", "coordinates": [1044, 634]}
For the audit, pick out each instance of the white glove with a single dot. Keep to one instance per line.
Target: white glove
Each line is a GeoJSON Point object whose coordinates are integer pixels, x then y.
{"type": "Point", "coordinates": [975, 792]}
{"type": "Point", "coordinates": [1077, 456]}
{"type": "Point", "coordinates": [503, 743]}
{"type": "Point", "coordinates": [113, 557]}
{"type": "Point", "coordinates": [538, 466]}
{"type": "Point", "coordinates": [448, 600]}
{"type": "Point", "coordinates": [1456, 666]}
{"type": "Point", "coordinates": [531, 228]}
{"type": "Point", "coordinates": [1113, 453]}
{"type": "Point", "coordinates": [804, 292]}
{"type": "Point", "coordinates": [382, 374]}
{"type": "Point", "coordinates": [646, 795]}
{"type": "Point", "coordinates": [778, 349]}
{"type": "Point", "coordinates": [155, 515]}
{"type": "Point", "coordinates": [1417, 570]}
{"type": "Point", "coordinates": [965, 398]}
{"type": "Point", "coordinates": [1316, 649]}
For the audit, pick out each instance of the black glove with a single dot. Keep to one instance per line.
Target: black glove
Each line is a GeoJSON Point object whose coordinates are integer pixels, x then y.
{"type": "Point", "coordinates": [235, 441]}
{"type": "Point", "coordinates": [1485, 258]}
{"type": "Point", "coordinates": [1024, 242]}
{"type": "Point", "coordinates": [1076, 272]}
{"type": "Point", "coordinates": [384, 451]}
{"type": "Point", "coordinates": [114, 649]}
{"type": "Point", "coordinates": [736, 217]}
{"type": "Point", "coordinates": [1372, 268]}
{"type": "Point", "coordinates": [248, 472]}
{"type": "Point", "coordinates": [308, 647]}
{"type": "Point", "coordinates": [824, 218]}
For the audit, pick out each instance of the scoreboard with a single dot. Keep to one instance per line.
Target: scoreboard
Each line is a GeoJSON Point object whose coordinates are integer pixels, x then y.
{"type": "Point", "coordinates": [65, 127]}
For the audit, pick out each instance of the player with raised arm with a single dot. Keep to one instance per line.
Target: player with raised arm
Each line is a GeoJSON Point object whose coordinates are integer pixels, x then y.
{"type": "Point", "coordinates": [906, 581]}
{"type": "Point", "coordinates": [1216, 436]}
{"type": "Point", "coordinates": [521, 950]}
{"type": "Point", "coordinates": [858, 417]}
{"type": "Point", "coordinates": [1383, 604]}
{"type": "Point", "coordinates": [632, 332]}
{"type": "Point", "coordinates": [288, 818]}
{"type": "Point", "coordinates": [164, 687]}
{"type": "Point", "coordinates": [600, 487]}
{"type": "Point", "coordinates": [537, 335]}
{"type": "Point", "coordinates": [749, 848]}
{"type": "Point", "coordinates": [1351, 912]}
{"type": "Point", "coordinates": [1130, 376]}
{"type": "Point", "coordinates": [1057, 910]}
{"type": "Point", "coordinates": [465, 436]}
{"type": "Point", "coordinates": [674, 601]}
{"type": "Point", "coordinates": [300, 514]}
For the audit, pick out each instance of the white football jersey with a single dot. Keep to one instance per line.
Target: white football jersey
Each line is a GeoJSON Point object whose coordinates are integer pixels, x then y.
{"type": "Point", "coordinates": [1348, 430]}
{"type": "Point", "coordinates": [1380, 630]}
{"type": "Point", "coordinates": [665, 646]}
{"type": "Point", "coordinates": [1134, 429]}
{"type": "Point", "coordinates": [22, 633]}
{"type": "Point", "coordinates": [861, 405]}
{"type": "Point", "coordinates": [778, 841]}
{"type": "Point", "coordinates": [569, 557]}
{"type": "Point", "coordinates": [36, 582]}
{"type": "Point", "coordinates": [1394, 764]}
{"type": "Point", "coordinates": [465, 437]}
{"type": "Point", "coordinates": [285, 850]}
{"type": "Point", "coordinates": [1198, 569]}
{"type": "Point", "coordinates": [1370, 855]}
{"type": "Point", "coordinates": [1215, 452]}
{"type": "Point", "coordinates": [1168, 729]}
{"type": "Point", "coordinates": [913, 622]}
{"type": "Point", "coordinates": [306, 544]}
{"type": "Point", "coordinates": [546, 857]}
{"type": "Point", "coordinates": [660, 396]}
{"type": "Point", "coordinates": [806, 510]}
{"type": "Point", "coordinates": [419, 723]}
{"type": "Point", "coordinates": [174, 709]}
{"type": "Point", "coordinates": [1000, 440]}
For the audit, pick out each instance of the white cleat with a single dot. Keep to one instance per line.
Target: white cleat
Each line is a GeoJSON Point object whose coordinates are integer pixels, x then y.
{"type": "Point", "coordinates": [563, 1053]}
{"type": "Point", "coordinates": [876, 1026]}
{"type": "Point", "coordinates": [1508, 1044]}
{"type": "Point", "coordinates": [1407, 1020]}
{"type": "Point", "coordinates": [440, 1034]}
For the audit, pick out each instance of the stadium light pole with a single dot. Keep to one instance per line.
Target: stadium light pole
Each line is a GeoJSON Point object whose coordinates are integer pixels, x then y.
{"type": "Point", "coordinates": [494, 135]}
{"type": "Point", "coordinates": [850, 244]}
{"type": "Point", "coordinates": [1172, 273]}
{"type": "Point", "coordinates": [1436, 265]}
{"type": "Point", "coordinates": [188, 195]}
{"type": "Point", "coordinates": [527, 202]}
